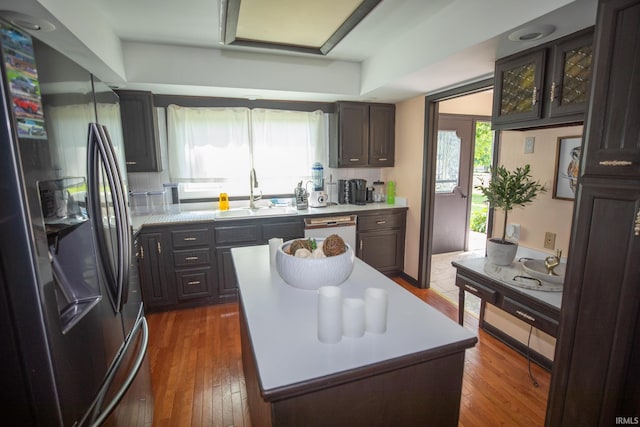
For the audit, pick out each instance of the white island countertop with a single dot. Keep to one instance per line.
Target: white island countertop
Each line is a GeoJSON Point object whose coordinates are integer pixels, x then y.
{"type": "Point", "coordinates": [282, 325]}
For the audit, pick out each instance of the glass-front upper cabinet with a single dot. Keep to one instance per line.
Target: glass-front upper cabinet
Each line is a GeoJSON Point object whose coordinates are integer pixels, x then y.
{"type": "Point", "coordinates": [544, 86]}
{"type": "Point", "coordinates": [518, 88]}
{"type": "Point", "coordinates": [569, 91]}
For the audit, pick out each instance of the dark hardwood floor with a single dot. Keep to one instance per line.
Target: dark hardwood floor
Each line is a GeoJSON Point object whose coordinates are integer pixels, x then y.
{"type": "Point", "coordinates": [197, 378]}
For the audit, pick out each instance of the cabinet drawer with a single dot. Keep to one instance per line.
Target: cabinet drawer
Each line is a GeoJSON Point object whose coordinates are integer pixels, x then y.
{"type": "Point", "coordinates": [237, 234]}
{"type": "Point", "coordinates": [191, 257]}
{"type": "Point", "coordinates": [285, 230]}
{"type": "Point", "coordinates": [193, 283]}
{"type": "Point", "coordinates": [530, 316]}
{"type": "Point", "coordinates": [475, 288]}
{"type": "Point", "coordinates": [378, 222]}
{"type": "Point", "coordinates": [191, 237]}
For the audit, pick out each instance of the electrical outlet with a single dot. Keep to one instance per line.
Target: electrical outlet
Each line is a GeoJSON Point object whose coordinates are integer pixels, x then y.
{"type": "Point", "coordinates": [550, 240]}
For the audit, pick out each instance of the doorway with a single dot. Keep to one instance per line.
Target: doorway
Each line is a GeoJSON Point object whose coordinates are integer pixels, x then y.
{"type": "Point", "coordinates": [456, 116]}
{"type": "Point", "coordinates": [454, 163]}
{"type": "Point", "coordinates": [464, 156]}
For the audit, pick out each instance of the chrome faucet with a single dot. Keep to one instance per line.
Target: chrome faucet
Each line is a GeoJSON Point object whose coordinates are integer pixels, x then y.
{"type": "Point", "coordinates": [253, 183]}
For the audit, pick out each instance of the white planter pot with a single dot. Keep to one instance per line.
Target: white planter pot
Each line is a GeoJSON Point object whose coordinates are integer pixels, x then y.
{"type": "Point", "coordinates": [500, 253]}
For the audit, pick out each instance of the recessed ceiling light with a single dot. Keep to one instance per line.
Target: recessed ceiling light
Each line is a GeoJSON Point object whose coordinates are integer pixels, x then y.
{"type": "Point", "coordinates": [534, 32]}
{"type": "Point", "coordinates": [27, 22]}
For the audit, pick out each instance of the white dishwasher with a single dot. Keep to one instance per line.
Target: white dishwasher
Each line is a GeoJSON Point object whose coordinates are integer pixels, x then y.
{"type": "Point", "coordinates": [344, 226]}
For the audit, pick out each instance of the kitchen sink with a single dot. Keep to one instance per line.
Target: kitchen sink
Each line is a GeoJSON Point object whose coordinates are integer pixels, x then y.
{"type": "Point", "coordinates": [256, 212]}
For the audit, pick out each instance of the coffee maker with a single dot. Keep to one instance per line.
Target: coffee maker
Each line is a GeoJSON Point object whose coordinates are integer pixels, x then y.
{"type": "Point", "coordinates": [358, 191]}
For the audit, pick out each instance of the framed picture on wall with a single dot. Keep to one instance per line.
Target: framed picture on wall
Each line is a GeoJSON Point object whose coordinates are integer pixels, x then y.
{"type": "Point", "coordinates": [567, 167]}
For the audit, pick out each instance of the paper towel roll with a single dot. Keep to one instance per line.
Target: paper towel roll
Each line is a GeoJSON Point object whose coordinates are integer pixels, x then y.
{"type": "Point", "coordinates": [329, 314]}
{"type": "Point", "coordinates": [353, 317]}
{"type": "Point", "coordinates": [274, 244]}
{"type": "Point", "coordinates": [375, 310]}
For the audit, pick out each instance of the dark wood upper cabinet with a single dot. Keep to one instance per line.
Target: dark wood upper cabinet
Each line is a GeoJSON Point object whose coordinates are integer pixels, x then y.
{"type": "Point", "coordinates": [382, 121]}
{"type": "Point", "coordinates": [363, 135]}
{"type": "Point", "coordinates": [140, 131]}
{"type": "Point", "coordinates": [596, 374]}
{"type": "Point", "coordinates": [614, 132]}
{"type": "Point", "coordinates": [571, 76]}
{"type": "Point", "coordinates": [544, 86]}
{"type": "Point", "coordinates": [518, 87]}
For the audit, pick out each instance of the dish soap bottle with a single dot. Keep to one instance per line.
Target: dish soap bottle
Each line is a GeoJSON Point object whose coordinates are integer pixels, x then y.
{"type": "Point", "coordinates": [223, 202]}
{"type": "Point", "coordinates": [391, 193]}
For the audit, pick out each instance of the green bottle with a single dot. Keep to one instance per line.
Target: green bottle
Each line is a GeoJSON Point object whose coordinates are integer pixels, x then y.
{"type": "Point", "coordinates": [391, 193]}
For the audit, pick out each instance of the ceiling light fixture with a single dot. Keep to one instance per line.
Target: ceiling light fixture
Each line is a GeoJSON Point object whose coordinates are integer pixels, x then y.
{"type": "Point", "coordinates": [306, 26]}
{"type": "Point", "coordinates": [531, 33]}
{"type": "Point", "coordinates": [27, 22]}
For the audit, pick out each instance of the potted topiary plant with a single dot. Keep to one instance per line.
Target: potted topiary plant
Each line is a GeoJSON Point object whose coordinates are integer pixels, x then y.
{"type": "Point", "coordinates": [507, 190]}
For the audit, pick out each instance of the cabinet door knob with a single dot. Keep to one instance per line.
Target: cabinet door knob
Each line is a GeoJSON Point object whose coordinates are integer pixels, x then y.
{"type": "Point", "coordinates": [191, 258]}
{"type": "Point", "coordinates": [130, 163]}
{"type": "Point", "coordinates": [534, 96]}
{"type": "Point", "coordinates": [194, 282]}
{"type": "Point", "coordinates": [636, 227]}
{"type": "Point", "coordinates": [190, 239]}
{"type": "Point", "coordinates": [382, 159]}
{"type": "Point", "coordinates": [381, 222]}
{"type": "Point", "coordinates": [354, 160]}
{"type": "Point", "coordinates": [361, 244]}
{"type": "Point", "coordinates": [159, 246]}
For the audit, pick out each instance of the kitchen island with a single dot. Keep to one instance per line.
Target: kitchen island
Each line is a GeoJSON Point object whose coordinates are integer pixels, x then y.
{"type": "Point", "coordinates": [411, 375]}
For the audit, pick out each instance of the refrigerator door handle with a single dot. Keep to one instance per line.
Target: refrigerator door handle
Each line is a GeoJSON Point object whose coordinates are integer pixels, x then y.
{"type": "Point", "coordinates": [96, 412]}
{"type": "Point", "coordinates": [125, 241]}
{"type": "Point", "coordinates": [101, 153]}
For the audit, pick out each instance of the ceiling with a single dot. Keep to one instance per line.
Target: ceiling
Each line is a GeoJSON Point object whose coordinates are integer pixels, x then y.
{"type": "Point", "coordinates": [401, 49]}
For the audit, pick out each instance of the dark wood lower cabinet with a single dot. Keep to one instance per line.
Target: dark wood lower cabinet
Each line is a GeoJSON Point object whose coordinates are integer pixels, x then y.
{"type": "Point", "coordinates": [189, 264]}
{"type": "Point", "coordinates": [154, 280]}
{"type": "Point", "coordinates": [177, 268]}
{"type": "Point", "coordinates": [597, 377]}
{"type": "Point", "coordinates": [381, 238]}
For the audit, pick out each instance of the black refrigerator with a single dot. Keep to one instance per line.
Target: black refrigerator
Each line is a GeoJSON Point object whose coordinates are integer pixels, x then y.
{"type": "Point", "coordinates": [72, 325]}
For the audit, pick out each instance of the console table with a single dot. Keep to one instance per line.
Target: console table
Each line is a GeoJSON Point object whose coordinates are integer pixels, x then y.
{"type": "Point", "coordinates": [540, 309]}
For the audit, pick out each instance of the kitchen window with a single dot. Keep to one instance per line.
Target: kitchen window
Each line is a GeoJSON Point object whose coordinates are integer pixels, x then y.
{"type": "Point", "coordinates": [212, 150]}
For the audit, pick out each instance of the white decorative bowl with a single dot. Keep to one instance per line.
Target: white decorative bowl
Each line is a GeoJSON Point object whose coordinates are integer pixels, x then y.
{"type": "Point", "coordinates": [313, 273]}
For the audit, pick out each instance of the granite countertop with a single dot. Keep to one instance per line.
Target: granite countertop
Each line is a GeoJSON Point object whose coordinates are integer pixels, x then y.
{"type": "Point", "coordinates": [478, 265]}
{"type": "Point", "coordinates": [282, 323]}
{"type": "Point", "coordinates": [239, 213]}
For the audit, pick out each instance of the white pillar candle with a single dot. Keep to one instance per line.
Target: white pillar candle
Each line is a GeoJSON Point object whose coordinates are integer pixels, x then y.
{"type": "Point", "coordinates": [329, 314]}
{"type": "Point", "coordinates": [375, 310]}
{"type": "Point", "coordinates": [274, 244]}
{"type": "Point", "coordinates": [353, 317]}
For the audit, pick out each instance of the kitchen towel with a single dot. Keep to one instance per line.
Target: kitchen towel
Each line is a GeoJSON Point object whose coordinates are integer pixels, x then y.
{"type": "Point", "coordinates": [375, 310]}
{"type": "Point", "coordinates": [329, 314]}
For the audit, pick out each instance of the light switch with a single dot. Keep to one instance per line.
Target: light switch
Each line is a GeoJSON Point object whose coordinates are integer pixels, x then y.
{"type": "Point", "coordinates": [529, 144]}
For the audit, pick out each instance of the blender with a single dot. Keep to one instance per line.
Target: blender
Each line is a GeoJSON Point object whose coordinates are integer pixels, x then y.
{"type": "Point", "coordinates": [317, 197]}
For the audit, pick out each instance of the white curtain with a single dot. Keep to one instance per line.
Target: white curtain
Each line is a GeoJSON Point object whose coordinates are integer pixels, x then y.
{"type": "Point", "coordinates": [68, 129]}
{"type": "Point", "coordinates": [208, 144]}
{"type": "Point", "coordinates": [285, 145]}
{"type": "Point", "coordinates": [109, 116]}
{"type": "Point", "coordinates": [210, 149]}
